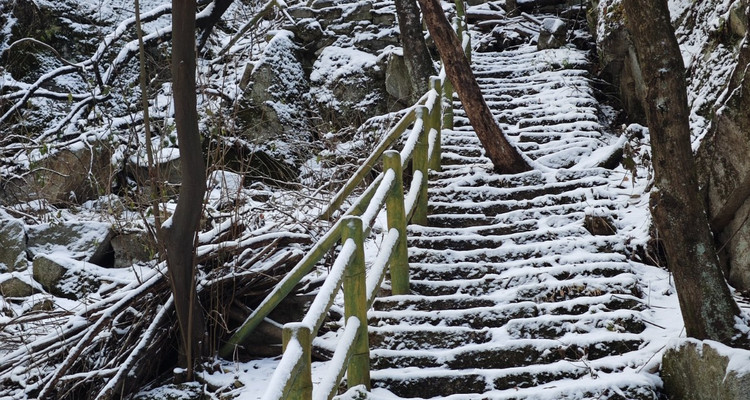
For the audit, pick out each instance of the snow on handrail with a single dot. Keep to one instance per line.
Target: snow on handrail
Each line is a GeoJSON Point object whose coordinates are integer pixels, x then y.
{"type": "Point", "coordinates": [378, 200]}
{"type": "Point", "coordinates": [327, 293]}
{"type": "Point", "coordinates": [410, 202]}
{"type": "Point", "coordinates": [335, 368]}
{"type": "Point", "coordinates": [377, 270]}
{"type": "Point", "coordinates": [289, 367]}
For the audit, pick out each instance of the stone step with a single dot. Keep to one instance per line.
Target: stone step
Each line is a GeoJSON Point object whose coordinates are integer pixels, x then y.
{"type": "Point", "coordinates": [557, 327]}
{"type": "Point", "coordinates": [591, 244]}
{"type": "Point", "coordinates": [391, 312]}
{"type": "Point", "coordinates": [480, 176]}
{"type": "Point", "coordinates": [488, 314]}
{"type": "Point", "coordinates": [416, 337]}
{"type": "Point", "coordinates": [491, 208]}
{"type": "Point", "coordinates": [476, 242]}
{"type": "Point", "coordinates": [560, 380]}
{"type": "Point", "coordinates": [431, 295]}
{"type": "Point", "coordinates": [449, 159]}
{"type": "Point", "coordinates": [483, 192]}
{"type": "Point", "coordinates": [417, 231]}
{"type": "Point", "coordinates": [436, 383]}
{"type": "Point", "coordinates": [513, 354]}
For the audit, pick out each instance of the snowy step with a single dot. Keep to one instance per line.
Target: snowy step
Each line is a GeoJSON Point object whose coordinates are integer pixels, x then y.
{"type": "Point", "coordinates": [517, 353]}
{"type": "Point", "coordinates": [474, 242]}
{"type": "Point", "coordinates": [599, 244]}
{"type": "Point", "coordinates": [496, 207]}
{"type": "Point", "coordinates": [449, 160]}
{"type": "Point", "coordinates": [462, 151]}
{"type": "Point", "coordinates": [482, 176]}
{"type": "Point", "coordinates": [393, 313]}
{"type": "Point", "coordinates": [534, 270]}
{"type": "Point", "coordinates": [548, 327]}
{"type": "Point", "coordinates": [429, 383]}
{"type": "Point", "coordinates": [421, 337]}
{"type": "Point", "coordinates": [431, 296]}
{"type": "Point", "coordinates": [482, 192]}
{"type": "Point", "coordinates": [492, 315]}
{"type": "Point", "coordinates": [416, 231]}
{"type": "Point", "coordinates": [558, 266]}
{"type": "Point", "coordinates": [560, 380]}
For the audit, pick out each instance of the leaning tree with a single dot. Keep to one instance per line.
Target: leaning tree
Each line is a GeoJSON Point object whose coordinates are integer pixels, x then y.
{"type": "Point", "coordinates": [503, 155]}
{"type": "Point", "coordinates": [707, 306]}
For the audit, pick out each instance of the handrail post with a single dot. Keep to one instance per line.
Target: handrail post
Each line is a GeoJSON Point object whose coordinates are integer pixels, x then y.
{"type": "Point", "coordinates": [396, 216]}
{"type": "Point", "coordinates": [302, 386]}
{"type": "Point", "coordinates": [436, 123]}
{"type": "Point", "coordinates": [460, 8]}
{"type": "Point", "coordinates": [419, 163]}
{"type": "Point", "coordinates": [462, 27]}
{"type": "Point", "coordinates": [447, 104]}
{"type": "Point", "coordinates": [355, 304]}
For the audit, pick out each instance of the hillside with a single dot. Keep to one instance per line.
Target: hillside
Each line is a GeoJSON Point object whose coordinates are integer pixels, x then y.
{"type": "Point", "coordinates": [542, 285]}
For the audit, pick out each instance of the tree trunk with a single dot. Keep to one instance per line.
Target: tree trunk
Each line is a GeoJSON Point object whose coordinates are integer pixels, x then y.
{"type": "Point", "coordinates": [416, 56]}
{"type": "Point", "coordinates": [503, 155]}
{"type": "Point", "coordinates": [707, 306]}
{"type": "Point", "coordinates": [180, 230]}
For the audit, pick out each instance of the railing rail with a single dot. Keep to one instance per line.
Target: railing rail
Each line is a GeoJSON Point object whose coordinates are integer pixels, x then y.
{"type": "Point", "coordinates": [292, 378]}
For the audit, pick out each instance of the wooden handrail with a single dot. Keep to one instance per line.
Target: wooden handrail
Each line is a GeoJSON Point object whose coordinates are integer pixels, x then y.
{"type": "Point", "coordinates": [292, 378]}
{"type": "Point", "coordinates": [369, 163]}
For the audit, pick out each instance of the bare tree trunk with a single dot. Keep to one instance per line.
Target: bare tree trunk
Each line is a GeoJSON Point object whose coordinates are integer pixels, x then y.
{"type": "Point", "coordinates": [503, 155]}
{"type": "Point", "coordinates": [707, 305]}
{"type": "Point", "coordinates": [181, 232]}
{"type": "Point", "coordinates": [416, 56]}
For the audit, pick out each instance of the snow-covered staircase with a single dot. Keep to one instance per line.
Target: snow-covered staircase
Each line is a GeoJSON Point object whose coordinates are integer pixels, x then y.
{"type": "Point", "coordinates": [512, 297]}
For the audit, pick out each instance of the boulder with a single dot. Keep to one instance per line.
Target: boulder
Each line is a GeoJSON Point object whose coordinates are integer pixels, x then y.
{"type": "Point", "coordinates": [553, 34]}
{"type": "Point", "coordinates": [300, 11]}
{"type": "Point", "coordinates": [15, 287]}
{"type": "Point", "coordinates": [618, 62]}
{"type": "Point", "coordinates": [347, 86]}
{"type": "Point", "coordinates": [397, 78]}
{"type": "Point", "coordinates": [74, 174]}
{"type": "Point", "coordinates": [309, 32]}
{"type": "Point", "coordinates": [12, 244]}
{"type": "Point", "coordinates": [131, 248]}
{"type": "Point", "coordinates": [82, 240]}
{"type": "Point", "coordinates": [705, 370]}
{"type": "Point", "coordinates": [63, 276]}
{"type": "Point", "coordinates": [738, 23]}
{"type": "Point", "coordinates": [167, 160]}
{"type": "Point", "coordinates": [275, 95]}
{"type": "Point", "coordinates": [724, 174]}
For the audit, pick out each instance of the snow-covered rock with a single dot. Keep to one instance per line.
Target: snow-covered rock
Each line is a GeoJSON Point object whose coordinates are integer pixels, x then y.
{"type": "Point", "coordinates": [12, 244]}
{"type": "Point", "coordinates": [347, 86]}
{"type": "Point", "coordinates": [132, 247]}
{"type": "Point", "coordinates": [553, 34]}
{"type": "Point", "coordinates": [63, 276]}
{"type": "Point", "coordinates": [276, 93]}
{"type": "Point", "coordinates": [82, 240]}
{"type": "Point", "coordinates": [15, 287]}
{"type": "Point", "coordinates": [706, 370]}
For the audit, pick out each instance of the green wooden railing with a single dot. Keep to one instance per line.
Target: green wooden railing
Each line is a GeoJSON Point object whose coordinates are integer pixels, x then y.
{"type": "Point", "coordinates": [292, 378]}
